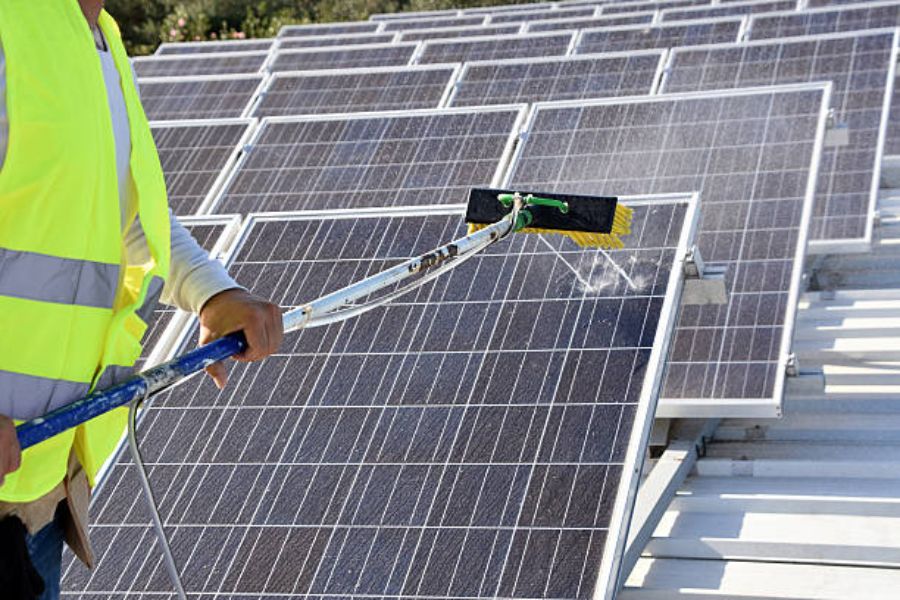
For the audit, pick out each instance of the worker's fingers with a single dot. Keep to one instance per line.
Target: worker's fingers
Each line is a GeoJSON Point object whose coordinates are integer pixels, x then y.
{"type": "Point", "coordinates": [219, 374]}
{"type": "Point", "coordinates": [257, 334]}
{"type": "Point", "coordinates": [275, 329]}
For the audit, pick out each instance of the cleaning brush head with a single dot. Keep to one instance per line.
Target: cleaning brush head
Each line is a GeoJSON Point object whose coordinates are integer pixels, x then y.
{"type": "Point", "coordinates": [590, 221]}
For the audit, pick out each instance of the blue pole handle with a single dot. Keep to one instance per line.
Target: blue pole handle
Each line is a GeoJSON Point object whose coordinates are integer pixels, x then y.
{"type": "Point", "coordinates": [146, 383]}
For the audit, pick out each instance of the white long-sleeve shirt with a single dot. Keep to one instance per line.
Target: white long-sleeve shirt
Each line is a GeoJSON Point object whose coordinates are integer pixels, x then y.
{"type": "Point", "coordinates": [193, 277]}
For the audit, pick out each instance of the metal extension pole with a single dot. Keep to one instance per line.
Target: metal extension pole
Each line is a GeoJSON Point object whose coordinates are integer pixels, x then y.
{"type": "Point", "coordinates": [168, 558]}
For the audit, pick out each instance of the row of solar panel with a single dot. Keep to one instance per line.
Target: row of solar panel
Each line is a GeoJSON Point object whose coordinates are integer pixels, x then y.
{"type": "Point", "coordinates": [860, 66]}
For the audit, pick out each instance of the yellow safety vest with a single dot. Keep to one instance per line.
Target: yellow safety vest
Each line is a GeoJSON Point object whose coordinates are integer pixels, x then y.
{"type": "Point", "coordinates": [69, 305]}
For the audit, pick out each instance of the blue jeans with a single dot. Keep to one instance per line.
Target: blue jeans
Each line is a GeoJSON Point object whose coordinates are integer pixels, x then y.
{"type": "Point", "coordinates": [46, 548]}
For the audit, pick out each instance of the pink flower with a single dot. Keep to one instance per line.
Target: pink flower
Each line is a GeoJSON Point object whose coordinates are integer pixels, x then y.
{"type": "Point", "coordinates": [212, 36]}
{"type": "Point", "coordinates": [173, 33]}
{"type": "Point", "coordinates": [240, 35]}
{"type": "Point", "coordinates": [181, 22]}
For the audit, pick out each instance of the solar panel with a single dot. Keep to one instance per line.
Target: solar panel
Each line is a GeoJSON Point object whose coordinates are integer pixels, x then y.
{"type": "Point", "coordinates": [645, 18]}
{"type": "Point", "coordinates": [218, 63]}
{"type": "Point", "coordinates": [350, 39]}
{"type": "Point", "coordinates": [861, 66]}
{"type": "Point", "coordinates": [566, 78]}
{"type": "Point", "coordinates": [507, 8]}
{"type": "Point", "coordinates": [405, 16]}
{"type": "Point", "coordinates": [458, 32]}
{"type": "Point", "coordinates": [345, 57]}
{"type": "Point", "coordinates": [666, 35]}
{"type": "Point", "coordinates": [562, 13]}
{"type": "Point", "coordinates": [819, 21]}
{"type": "Point", "coordinates": [752, 154]}
{"type": "Point", "coordinates": [892, 141]}
{"type": "Point", "coordinates": [356, 90]}
{"type": "Point", "coordinates": [830, 3]}
{"type": "Point", "coordinates": [328, 29]}
{"type": "Point", "coordinates": [629, 7]}
{"type": "Point", "coordinates": [434, 23]}
{"type": "Point", "coordinates": [459, 443]}
{"type": "Point", "coordinates": [500, 47]}
{"type": "Point", "coordinates": [204, 47]}
{"type": "Point", "coordinates": [726, 10]}
{"type": "Point", "coordinates": [213, 233]}
{"type": "Point", "coordinates": [195, 156]}
{"type": "Point", "coordinates": [203, 97]}
{"type": "Point", "coordinates": [391, 159]}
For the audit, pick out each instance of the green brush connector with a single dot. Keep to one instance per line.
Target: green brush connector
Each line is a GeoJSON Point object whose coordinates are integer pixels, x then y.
{"type": "Point", "coordinates": [529, 200]}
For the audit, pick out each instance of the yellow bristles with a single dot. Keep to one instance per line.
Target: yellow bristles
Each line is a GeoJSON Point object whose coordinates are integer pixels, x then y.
{"type": "Point", "coordinates": [587, 239]}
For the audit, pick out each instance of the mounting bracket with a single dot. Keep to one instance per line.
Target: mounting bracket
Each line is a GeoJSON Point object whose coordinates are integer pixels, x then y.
{"type": "Point", "coordinates": [704, 284]}
{"type": "Point", "coordinates": [837, 134]}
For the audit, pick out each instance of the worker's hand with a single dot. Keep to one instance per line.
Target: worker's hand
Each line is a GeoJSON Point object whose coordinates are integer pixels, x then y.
{"type": "Point", "coordinates": [239, 310]}
{"type": "Point", "coordinates": [10, 455]}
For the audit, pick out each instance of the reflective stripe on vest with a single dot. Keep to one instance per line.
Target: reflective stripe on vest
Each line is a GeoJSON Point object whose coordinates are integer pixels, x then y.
{"type": "Point", "coordinates": [69, 307]}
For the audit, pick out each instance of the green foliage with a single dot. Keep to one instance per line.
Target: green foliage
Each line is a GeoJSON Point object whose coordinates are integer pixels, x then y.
{"type": "Point", "coordinates": [147, 23]}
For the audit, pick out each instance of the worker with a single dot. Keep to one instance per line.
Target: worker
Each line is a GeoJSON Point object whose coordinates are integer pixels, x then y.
{"type": "Point", "coordinates": [87, 245]}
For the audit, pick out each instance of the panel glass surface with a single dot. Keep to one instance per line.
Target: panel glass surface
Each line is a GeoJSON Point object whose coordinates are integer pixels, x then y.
{"type": "Point", "coordinates": [636, 37]}
{"type": "Point", "coordinates": [197, 98]}
{"type": "Point", "coordinates": [503, 9]}
{"type": "Point", "coordinates": [355, 91]}
{"type": "Point", "coordinates": [511, 46]}
{"type": "Point", "coordinates": [206, 64]}
{"type": "Point", "coordinates": [726, 10]}
{"type": "Point", "coordinates": [345, 57]}
{"type": "Point", "coordinates": [568, 79]}
{"type": "Point", "coordinates": [859, 65]}
{"type": "Point", "coordinates": [409, 159]}
{"type": "Point", "coordinates": [320, 41]}
{"type": "Point", "coordinates": [824, 21]}
{"type": "Point", "coordinates": [458, 32]}
{"type": "Point", "coordinates": [467, 441]}
{"type": "Point", "coordinates": [607, 21]}
{"type": "Point", "coordinates": [328, 29]}
{"type": "Point", "coordinates": [750, 156]}
{"type": "Point", "coordinates": [193, 157]}
{"type": "Point", "coordinates": [210, 46]}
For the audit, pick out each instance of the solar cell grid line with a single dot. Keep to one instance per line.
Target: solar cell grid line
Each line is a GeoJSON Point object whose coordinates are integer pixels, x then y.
{"type": "Point", "coordinates": [458, 32]}
{"type": "Point", "coordinates": [349, 39]}
{"type": "Point", "coordinates": [644, 18]}
{"type": "Point", "coordinates": [628, 7]}
{"type": "Point", "coordinates": [862, 67]}
{"type": "Point", "coordinates": [726, 10]}
{"type": "Point", "coordinates": [170, 48]}
{"type": "Point", "coordinates": [564, 78]}
{"type": "Point", "coordinates": [214, 63]}
{"type": "Point", "coordinates": [357, 90]}
{"type": "Point", "coordinates": [329, 29]}
{"type": "Point", "coordinates": [752, 154]}
{"type": "Point", "coordinates": [660, 35]}
{"type": "Point", "coordinates": [196, 156]}
{"type": "Point", "coordinates": [345, 57]}
{"type": "Point", "coordinates": [199, 97]}
{"type": "Point", "coordinates": [874, 15]}
{"type": "Point", "coordinates": [461, 458]}
{"type": "Point", "coordinates": [562, 13]}
{"type": "Point", "coordinates": [412, 157]}
{"type": "Point", "coordinates": [435, 23]}
{"type": "Point", "coordinates": [551, 43]}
